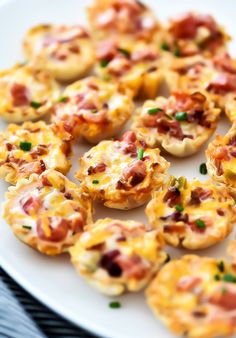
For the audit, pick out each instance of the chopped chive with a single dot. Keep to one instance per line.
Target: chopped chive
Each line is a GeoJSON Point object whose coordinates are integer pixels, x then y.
{"type": "Point", "coordinates": [165, 46]}
{"type": "Point", "coordinates": [217, 277]}
{"type": "Point", "coordinates": [26, 146]}
{"type": "Point", "coordinates": [35, 104]}
{"type": "Point", "coordinates": [140, 153]}
{"type": "Point", "coordinates": [104, 63]}
{"type": "Point", "coordinates": [200, 223]}
{"type": "Point", "coordinates": [181, 116]}
{"type": "Point", "coordinates": [93, 111]}
{"type": "Point", "coordinates": [177, 52]}
{"type": "Point", "coordinates": [168, 258]}
{"type": "Point", "coordinates": [124, 51]}
{"type": "Point", "coordinates": [179, 207]}
{"type": "Point", "coordinates": [28, 227]}
{"type": "Point", "coordinates": [63, 99]}
{"type": "Point", "coordinates": [203, 168]}
{"type": "Point", "coordinates": [95, 181]}
{"type": "Point", "coordinates": [114, 305]}
{"type": "Point", "coordinates": [154, 111]}
{"type": "Point", "coordinates": [221, 266]}
{"type": "Point", "coordinates": [229, 278]}
{"type": "Point", "coordinates": [223, 291]}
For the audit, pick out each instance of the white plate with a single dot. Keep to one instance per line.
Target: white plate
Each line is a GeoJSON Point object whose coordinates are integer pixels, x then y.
{"type": "Point", "coordinates": [53, 280]}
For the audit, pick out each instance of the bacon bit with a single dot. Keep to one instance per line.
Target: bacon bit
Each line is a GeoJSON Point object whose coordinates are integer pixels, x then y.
{"type": "Point", "coordinates": [172, 197]}
{"type": "Point", "coordinates": [152, 121]}
{"type": "Point", "coordinates": [188, 283]}
{"type": "Point", "coordinates": [119, 65]}
{"type": "Point", "coordinates": [98, 117]}
{"type": "Point", "coordinates": [30, 204]}
{"type": "Point", "coordinates": [144, 55]}
{"type": "Point", "coordinates": [9, 146]}
{"type": "Point", "coordinates": [169, 228]}
{"type": "Point", "coordinates": [224, 62]}
{"type": "Point", "coordinates": [132, 267]}
{"type": "Point", "coordinates": [176, 216]}
{"type": "Point", "coordinates": [66, 34]}
{"type": "Point", "coordinates": [77, 224]}
{"type": "Point", "coordinates": [45, 181]}
{"type": "Point", "coordinates": [74, 49]}
{"type": "Point", "coordinates": [20, 94]}
{"type": "Point", "coordinates": [220, 212]}
{"type": "Point", "coordinates": [106, 18]}
{"type": "Point", "coordinates": [198, 195]}
{"type": "Point", "coordinates": [99, 168]}
{"type": "Point", "coordinates": [57, 226]}
{"type": "Point", "coordinates": [106, 50]}
{"type": "Point", "coordinates": [219, 168]}
{"type": "Point", "coordinates": [84, 102]}
{"type": "Point", "coordinates": [129, 136]}
{"type": "Point", "coordinates": [36, 167]}
{"type": "Point", "coordinates": [227, 299]}
{"type": "Point", "coordinates": [134, 172]}
{"type": "Point", "coordinates": [129, 149]}
{"type": "Point", "coordinates": [223, 82]}
{"type": "Point", "coordinates": [59, 55]}
{"type": "Point", "coordinates": [92, 86]}
{"type": "Point", "coordinates": [108, 263]}
{"type": "Point", "coordinates": [232, 141]}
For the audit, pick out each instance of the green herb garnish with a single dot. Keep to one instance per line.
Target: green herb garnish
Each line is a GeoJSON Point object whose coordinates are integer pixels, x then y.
{"type": "Point", "coordinates": [154, 111]}
{"type": "Point", "coordinates": [203, 168]}
{"type": "Point", "coordinates": [217, 277]}
{"type": "Point", "coordinates": [179, 207]}
{"type": "Point", "coordinates": [165, 46]}
{"type": "Point", "coordinates": [114, 305]}
{"type": "Point", "coordinates": [26, 146]}
{"type": "Point", "coordinates": [140, 153]}
{"type": "Point", "coordinates": [104, 63]}
{"type": "Point", "coordinates": [177, 52]}
{"type": "Point", "coordinates": [181, 116]}
{"type": "Point", "coordinates": [229, 278]}
{"type": "Point", "coordinates": [200, 223]}
{"type": "Point", "coordinates": [63, 99]}
{"type": "Point", "coordinates": [124, 51]}
{"type": "Point", "coordinates": [221, 266]}
{"type": "Point", "coordinates": [28, 227]}
{"type": "Point", "coordinates": [35, 104]}
{"type": "Point", "coordinates": [95, 181]}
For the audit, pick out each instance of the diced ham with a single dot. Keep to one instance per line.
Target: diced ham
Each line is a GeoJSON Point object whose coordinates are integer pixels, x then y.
{"type": "Point", "coordinates": [134, 172]}
{"type": "Point", "coordinates": [106, 18]}
{"type": "Point", "coordinates": [129, 136]}
{"type": "Point", "coordinates": [98, 168]}
{"type": "Point", "coordinates": [106, 49]}
{"type": "Point", "coordinates": [144, 54]}
{"type": "Point", "coordinates": [223, 82]}
{"type": "Point", "coordinates": [30, 204]}
{"type": "Point", "coordinates": [36, 167]}
{"type": "Point", "coordinates": [66, 34]}
{"type": "Point", "coordinates": [188, 283]}
{"type": "Point", "coordinates": [127, 144]}
{"type": "Point", "coordinates": [132, 267]}
{"type": "Point", "coordinates": [20, 94]}
{"type": "Point", "coordinates": [172, 197]}
{"type": "Point", "coordinates": [77, 223]}
{"type": "Point", "coordinates": [119, 65]}
{"type": "Point", "coordinates": [198, 195]}
{"type": "Point", "coordinates": [57, 228]}
{"type": "Point", "coordinates": [224, 62]}
{"type": "Point", "coordinates": [171, 127]}
{"type": "Point", "coordinates": [226, 299]}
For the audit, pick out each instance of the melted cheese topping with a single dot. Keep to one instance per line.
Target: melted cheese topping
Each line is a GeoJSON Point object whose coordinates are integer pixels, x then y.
{"type": "Point", "coordinates": [40, 86]}
{"type": "Point", "coordinates": [35, 204]}
{"type": "Point", "coordinates": [47, 143]}
{"type": "Point", "coordinates": [103, 185]}
{"type": "Point", "coordinates": [138, 247]}
{"type": "Point", "coordinates": [216, 211]}
{"type": "Point", "coordinates": [188, 298]}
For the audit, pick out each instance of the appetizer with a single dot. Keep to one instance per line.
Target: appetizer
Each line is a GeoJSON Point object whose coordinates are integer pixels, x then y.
{"type": "Point", "coordinates": [195, 297]}
{"type": "Point", "coordinates": [136, 66]}
{"type": "Point", "coordinates": [122, 174]}
{"type": "Point", "coordinates": [221, 160]}
{"type": "Point", "coordinates": [192, 33]}
{"type": "Point", "coordinates": [66, 51]}
{"type": "Point", "coordinates": [94, 109]}
{"type": "Point", "coordinates": [193, 215]}
{"type": "Point", "coordinates": [32, 148]}
{"type": "Point", "coordinates": [180, 124]}
{"type": "Point", "coordinates": [115, 256]}
{"type": "Point", "coordinates": [47, 212]}
{"type": "Point", "coordinates": [26, 93]}
{"type": "Point", "coordinates": [123, 18]}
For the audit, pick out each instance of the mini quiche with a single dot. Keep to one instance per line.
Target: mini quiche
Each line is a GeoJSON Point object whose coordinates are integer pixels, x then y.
{"type": "Point", "coordinates": [26, 93]}
{"type": "Point", "coordinates": [180, 124]}
{"type": "Point", "coordinates": [47, 212]}
{"type": "Point", "coordinates": [193, 215]}
{"type": "Point", "coordinates": [195, 297]}
{"type": "Point", "coordinates": [221, 160]}
{"type": "Point", "coordinates": [32, 148]}
{"type": "Point", "coordinates": [136, 66]}
{"type": "Point", "coordinates": [66, 51]}
{"type": "Point", "coordinates": [115, 256]}
{"type": "Point", "coordinates": [191, 33]}
{"type": "Point", "coordinates": [123, 173]}
{"type": "Point", "coordinates": [94, 109]}
{"type": "Point", "coordinates": [129, 18]}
